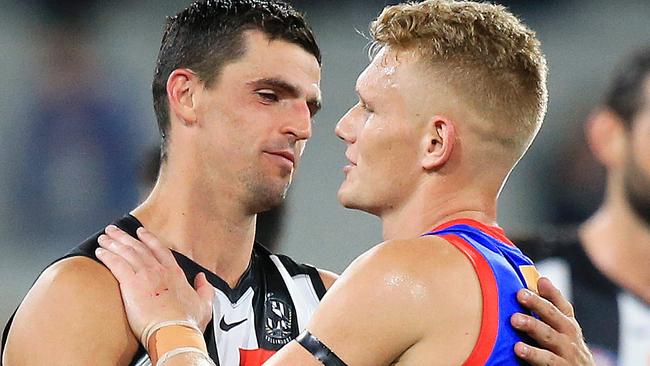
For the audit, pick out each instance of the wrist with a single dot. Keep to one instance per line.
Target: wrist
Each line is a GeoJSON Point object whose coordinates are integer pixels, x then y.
{"type": "Point", "coordinates": [167, 339]}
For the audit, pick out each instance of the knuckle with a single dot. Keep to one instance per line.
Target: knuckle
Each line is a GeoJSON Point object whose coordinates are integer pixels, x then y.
{"type": "Point", "coordinates": [569, 311]}
{"type": "Point", "coordinates": [548, 335]}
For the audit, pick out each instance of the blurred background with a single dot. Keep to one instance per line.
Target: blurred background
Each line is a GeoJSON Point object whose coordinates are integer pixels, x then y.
{"type": "Point", "coordinates": [77, 126]}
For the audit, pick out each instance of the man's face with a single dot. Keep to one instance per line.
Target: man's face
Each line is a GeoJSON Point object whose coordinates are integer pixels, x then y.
{"type": "Point", "coordinates": [383, 133]}
{"type": "Point", "coordinates": [637, 170]}
{"type": "Point", "coordinates": [256, 119]}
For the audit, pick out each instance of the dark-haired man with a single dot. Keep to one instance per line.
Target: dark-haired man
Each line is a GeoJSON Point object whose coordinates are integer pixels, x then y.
{"type": "Point", "coordinates": [235, 88]}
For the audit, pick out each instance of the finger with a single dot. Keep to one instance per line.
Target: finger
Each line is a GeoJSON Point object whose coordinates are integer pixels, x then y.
{"type": "Point", "coordinates": [536, 356]}
{"type": "Point", "coordinates": [204, 288]}
{"type": "Point", "coordinates": [127, 253]}
{"type": "Point", "coordinates": [545, 336]}
{"type": "Point", "coordinates": [116, 264]}
{"type": "Point", "coordinates": [551, 293]}
{"type": "Point", "coordinates": [146, 256]}
{"type": "Point", "coordinates": [549, 314]}
{"type": "Point", "coordinates": [161, 252]}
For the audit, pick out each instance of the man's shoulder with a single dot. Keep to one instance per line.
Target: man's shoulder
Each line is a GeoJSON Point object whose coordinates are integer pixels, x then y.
{"type": "Point", "coordinates": [428, 266]}
{"type": "Point", "coordinates": [423, 257]}
{"type": "Point", "coordinates": [421, 291]}
{"type": "Point", "coordinates": [74, 305]}
{"type": "Point", "coordinates": [73, 285]}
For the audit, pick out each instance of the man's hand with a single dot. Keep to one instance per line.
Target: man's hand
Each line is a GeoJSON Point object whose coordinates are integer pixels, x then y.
{"type": "Point", "coordinates": [154, 288]}
{"type": "Point", "coordinates": [557, 332]}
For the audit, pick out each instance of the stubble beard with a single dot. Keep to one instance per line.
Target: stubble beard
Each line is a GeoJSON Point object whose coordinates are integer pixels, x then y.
{"type": "Point", "coordinates": [264, 194]}
{"type": "Point", "coordinates": [636, 186]}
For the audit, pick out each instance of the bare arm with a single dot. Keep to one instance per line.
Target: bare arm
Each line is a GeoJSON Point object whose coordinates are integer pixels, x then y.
{"type": "Point", "coordinates": [73, 315]}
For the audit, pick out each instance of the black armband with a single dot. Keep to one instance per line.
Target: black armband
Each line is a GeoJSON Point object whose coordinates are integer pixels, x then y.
{"type": "Point", "coordinates": [319, 350]}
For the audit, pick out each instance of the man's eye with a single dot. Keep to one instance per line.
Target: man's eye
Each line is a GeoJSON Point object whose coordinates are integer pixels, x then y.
{"type": "Point", "coordinates": [268, 95]}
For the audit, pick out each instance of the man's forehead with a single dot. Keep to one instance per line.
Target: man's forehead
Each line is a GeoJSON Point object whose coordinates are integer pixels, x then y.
{"type": "Point", "coordinates": [383, 72]}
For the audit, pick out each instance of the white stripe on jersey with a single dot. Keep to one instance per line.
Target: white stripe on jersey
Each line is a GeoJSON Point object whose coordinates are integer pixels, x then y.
{"type": "Point", "coordinates": [241, 336]}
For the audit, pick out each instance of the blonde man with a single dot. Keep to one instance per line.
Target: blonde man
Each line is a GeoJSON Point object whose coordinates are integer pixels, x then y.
{"type": "Point", "coordinates": [452, 99]}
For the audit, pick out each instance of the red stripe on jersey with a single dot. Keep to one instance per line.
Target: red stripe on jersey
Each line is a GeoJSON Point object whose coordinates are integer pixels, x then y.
{"type": "Point", "coordinates": [495, 231]}
{"type": "Point", "coordinates": [254, 357]}
{"type": "Point", "coordinates": [490, 294]}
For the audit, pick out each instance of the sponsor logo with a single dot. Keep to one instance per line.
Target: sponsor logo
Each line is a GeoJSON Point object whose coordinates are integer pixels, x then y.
{"type": "Point", "coordinates": [226, 327]}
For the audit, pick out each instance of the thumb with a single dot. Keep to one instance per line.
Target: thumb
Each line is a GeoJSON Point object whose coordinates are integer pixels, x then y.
{"type": "Point", "coordinates": [204, 288]}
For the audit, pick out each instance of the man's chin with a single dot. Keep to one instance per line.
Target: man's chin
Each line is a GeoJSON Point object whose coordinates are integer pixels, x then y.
{"type": "Point", "coordinates": [347, 200]}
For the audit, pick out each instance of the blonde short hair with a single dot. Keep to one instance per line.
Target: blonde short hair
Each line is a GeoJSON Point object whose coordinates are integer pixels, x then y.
{"type": "Point", "coordinates": [487, 55]}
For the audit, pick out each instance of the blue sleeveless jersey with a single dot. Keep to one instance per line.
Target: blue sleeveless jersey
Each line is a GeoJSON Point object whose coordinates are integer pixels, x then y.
{"type": "Point", "coordinates": [502, 270]}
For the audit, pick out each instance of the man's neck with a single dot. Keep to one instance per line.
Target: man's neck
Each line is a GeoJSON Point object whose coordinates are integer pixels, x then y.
{"type": "Point", "coordinates": [219, 237]}
{"type": "Point", "coordinates": [618, 243]}
{"type": "Point", "coordinates": [425, 211]}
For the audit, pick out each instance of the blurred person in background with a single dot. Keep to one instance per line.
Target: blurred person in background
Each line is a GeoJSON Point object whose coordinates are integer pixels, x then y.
{"type": "Point", "coordinates": [603, 265]}
{"type": "Point", "coordinates": [80, 152]}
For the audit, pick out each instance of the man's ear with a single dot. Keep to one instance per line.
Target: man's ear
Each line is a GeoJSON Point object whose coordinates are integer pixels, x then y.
{"type": "Point", "coordinates": [182, 86]}
{"type": "Point", "coordinates": [607, 137]}
{"type": "Point", "coordinates": [440, 138]}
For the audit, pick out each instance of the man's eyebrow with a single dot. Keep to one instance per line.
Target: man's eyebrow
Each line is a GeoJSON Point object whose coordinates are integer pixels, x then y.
{"type": "Point", "coordinates": [282, 86]}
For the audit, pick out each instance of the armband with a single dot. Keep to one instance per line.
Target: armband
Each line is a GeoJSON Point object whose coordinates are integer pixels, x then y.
{"type": "Point", "coordinates": [318, 349]}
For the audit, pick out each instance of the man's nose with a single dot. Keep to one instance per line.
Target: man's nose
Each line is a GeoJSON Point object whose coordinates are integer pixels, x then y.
{"type": "Point", "coordinates": [299, 124]}
{"type": "Point", "coordinates": [345, 127]}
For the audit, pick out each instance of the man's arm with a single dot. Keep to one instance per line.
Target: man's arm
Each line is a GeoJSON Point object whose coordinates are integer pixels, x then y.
{"type": "Point", "coordinates": [73, 315]}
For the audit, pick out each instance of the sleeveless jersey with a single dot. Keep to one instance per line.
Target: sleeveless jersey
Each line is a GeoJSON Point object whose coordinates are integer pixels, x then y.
{"type": "Point", "coordinates": [615, 322]}
{"type": "Point", "coordinates": [502, 270]}
{"type": "Point", "coordinates": [267, 309]}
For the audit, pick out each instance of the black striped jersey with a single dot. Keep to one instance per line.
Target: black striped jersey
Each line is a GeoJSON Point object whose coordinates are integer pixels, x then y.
{"type": "Point", "coordinates": [615, 323]}
{"type": "Point", "coordinates": [268, 308]}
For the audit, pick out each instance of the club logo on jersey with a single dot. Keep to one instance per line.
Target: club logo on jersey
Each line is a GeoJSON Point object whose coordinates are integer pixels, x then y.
{"type": "Point", "coordinates": [277, 320]}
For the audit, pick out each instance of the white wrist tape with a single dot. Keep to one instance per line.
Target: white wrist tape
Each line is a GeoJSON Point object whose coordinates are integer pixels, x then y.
{"type": "Point", "coordinates": [182, 350]}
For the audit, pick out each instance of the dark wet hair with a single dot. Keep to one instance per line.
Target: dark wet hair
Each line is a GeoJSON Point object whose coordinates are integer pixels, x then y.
{"type": "Point", "coordinates": [207, 35]}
